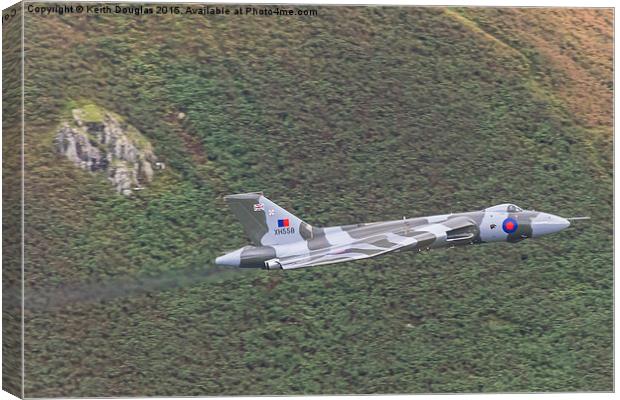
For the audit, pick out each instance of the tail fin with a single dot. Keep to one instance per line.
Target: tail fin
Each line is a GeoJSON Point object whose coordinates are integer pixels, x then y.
{"type": "Point", "coordinates": [265, 222]}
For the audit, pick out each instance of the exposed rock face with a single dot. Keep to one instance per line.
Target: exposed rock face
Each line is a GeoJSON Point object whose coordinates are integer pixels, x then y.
{"type": "Point", "coordinates": [99, 141]}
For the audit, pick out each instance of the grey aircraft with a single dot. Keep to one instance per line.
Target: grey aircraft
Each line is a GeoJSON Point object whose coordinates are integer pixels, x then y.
{"type": "Point", "coordinates": [280, 240]}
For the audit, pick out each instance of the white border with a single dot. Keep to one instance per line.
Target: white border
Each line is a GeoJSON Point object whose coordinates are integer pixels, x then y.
{"type": "Point", "coordinates": [510, 3]}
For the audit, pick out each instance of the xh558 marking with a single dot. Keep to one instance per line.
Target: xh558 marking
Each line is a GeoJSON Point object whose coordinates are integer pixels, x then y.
{"type": "Point", "coordinates": [280, 240]}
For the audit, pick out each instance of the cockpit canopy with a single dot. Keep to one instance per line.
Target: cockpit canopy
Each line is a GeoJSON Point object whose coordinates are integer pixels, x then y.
{"type": "Point", "coordinates": [511, 208]}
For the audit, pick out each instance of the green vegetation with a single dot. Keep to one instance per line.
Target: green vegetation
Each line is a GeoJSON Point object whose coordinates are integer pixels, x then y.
{"type": "Point", "coordinates": [359, 114]}
{"type": "Point", "coordinates": [91, 113]}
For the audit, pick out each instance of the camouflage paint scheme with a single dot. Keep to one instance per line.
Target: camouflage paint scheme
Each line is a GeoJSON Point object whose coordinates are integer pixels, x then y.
{"type": "Point", "coordinates": [280, 240]}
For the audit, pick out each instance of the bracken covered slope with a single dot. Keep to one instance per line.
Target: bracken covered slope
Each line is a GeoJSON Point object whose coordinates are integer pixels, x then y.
{"type": "Point", "coordinates": [357, 114]}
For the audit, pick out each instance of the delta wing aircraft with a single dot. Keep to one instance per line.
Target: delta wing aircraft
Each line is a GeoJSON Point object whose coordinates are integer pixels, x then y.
{"type": "Point", "coordinates": [280, 240]}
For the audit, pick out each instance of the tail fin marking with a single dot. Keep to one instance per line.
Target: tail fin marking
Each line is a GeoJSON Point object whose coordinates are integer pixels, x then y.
{"type": "Point", "coordinates": [264, 222]}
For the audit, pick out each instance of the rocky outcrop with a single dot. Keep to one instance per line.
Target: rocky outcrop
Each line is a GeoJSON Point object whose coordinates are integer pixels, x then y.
{"type": "Point", "coordinates": [99, 141]}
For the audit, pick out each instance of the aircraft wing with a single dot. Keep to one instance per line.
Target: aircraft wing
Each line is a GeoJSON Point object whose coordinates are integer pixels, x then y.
{"type": "Point", "coordinates": [419, 237]}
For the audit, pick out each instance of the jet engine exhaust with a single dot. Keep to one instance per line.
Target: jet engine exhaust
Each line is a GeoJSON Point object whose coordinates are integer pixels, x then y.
{"type": "Point", "coordinates": [60, 296]}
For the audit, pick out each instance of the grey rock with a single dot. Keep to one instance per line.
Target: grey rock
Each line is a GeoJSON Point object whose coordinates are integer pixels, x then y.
{"type": "Point", "coordinates": [111, 147]}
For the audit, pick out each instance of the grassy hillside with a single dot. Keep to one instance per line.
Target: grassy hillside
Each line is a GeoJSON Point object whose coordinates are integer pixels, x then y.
{"type": "Point", "coordinates": [357, 114]}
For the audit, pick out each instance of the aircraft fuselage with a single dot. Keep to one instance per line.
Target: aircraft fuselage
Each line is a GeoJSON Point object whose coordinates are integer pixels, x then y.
{"type": "Point", "coordinates": [316, 246]}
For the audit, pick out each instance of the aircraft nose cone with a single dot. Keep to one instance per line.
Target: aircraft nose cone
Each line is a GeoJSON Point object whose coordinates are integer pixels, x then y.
{"type": "Point", "coordinates": [232, 259]}
{"type": "Point", "coordinates": [548, 223]}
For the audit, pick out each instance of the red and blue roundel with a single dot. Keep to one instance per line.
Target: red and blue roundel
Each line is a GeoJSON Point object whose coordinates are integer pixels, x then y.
{"type": "Point", "coordinates": [510, 225]}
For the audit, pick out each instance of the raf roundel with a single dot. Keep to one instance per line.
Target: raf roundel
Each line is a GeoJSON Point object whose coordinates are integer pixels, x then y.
{"type": "Point", "coordinates": [510, 225]}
